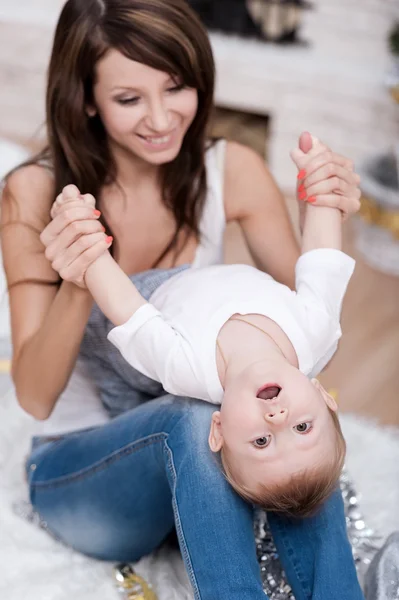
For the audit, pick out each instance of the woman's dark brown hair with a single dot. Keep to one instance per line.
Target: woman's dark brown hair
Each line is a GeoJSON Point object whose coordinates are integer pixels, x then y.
{"type": "Point", "coordinates": [163, 34]}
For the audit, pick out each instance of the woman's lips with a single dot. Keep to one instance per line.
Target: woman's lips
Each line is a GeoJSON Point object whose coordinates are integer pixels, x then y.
{"type": "Point", "coordinates": [158, 142]}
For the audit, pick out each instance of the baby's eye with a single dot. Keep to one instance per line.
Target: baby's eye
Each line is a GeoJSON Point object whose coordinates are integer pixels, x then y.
{"type": "Point", "coordinates": [262, 442]}
{"type": "Point", "coordinates": [303, 427]}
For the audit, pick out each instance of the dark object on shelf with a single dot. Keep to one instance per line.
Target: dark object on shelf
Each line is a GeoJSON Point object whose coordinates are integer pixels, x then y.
{"type": "Point", "coordinates": [267, 20]}
{"type": "Point", "coordinates": [385, 171]}
{"type": "Point", "coordinates": [393, 39]}
{"type": "Point", "coordinates": [229, 16]}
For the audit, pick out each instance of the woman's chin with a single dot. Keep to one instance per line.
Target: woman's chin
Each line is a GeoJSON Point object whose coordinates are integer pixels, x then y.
{"type": "Point", "coordinates": [160, 157]}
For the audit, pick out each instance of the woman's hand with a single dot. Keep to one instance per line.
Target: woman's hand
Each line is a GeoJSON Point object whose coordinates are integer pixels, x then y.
{"type": "Point", "coordinates": [75, 238]}
{"type": "Point", "coordinates": [325, 178]}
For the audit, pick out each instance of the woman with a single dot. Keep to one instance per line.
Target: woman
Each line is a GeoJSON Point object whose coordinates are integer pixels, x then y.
{"type": "Point", "coordinates": [129, 95]}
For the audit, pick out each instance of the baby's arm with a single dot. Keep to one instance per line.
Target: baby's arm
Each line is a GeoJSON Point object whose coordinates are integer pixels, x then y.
{"type": "Point", "coordinates": [110, 287]}
{"type": "Point", "coordinates": [322, 226]}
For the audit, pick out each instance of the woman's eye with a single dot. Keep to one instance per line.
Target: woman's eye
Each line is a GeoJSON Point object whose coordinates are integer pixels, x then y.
{"type": "Point", "coordinates": [303, 427]}
{"type": "Point", "coordinates": [177, 88]}
{"type": "Point", "coordinates": [262, 442]}
{"type": "Point", "coordinates": [125, 101]}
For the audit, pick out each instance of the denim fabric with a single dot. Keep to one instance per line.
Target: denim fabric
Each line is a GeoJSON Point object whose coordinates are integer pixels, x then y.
{"type": "Point", "coordinates": [116, 491]}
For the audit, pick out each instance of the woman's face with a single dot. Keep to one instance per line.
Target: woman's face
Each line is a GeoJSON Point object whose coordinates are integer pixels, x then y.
{"type": "Point", "coordinates": [144, 111]}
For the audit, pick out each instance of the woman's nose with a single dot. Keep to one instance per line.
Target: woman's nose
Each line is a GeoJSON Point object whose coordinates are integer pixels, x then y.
{"type": "Point", "coordinates": [277, 415]}
{"type": "Point", "coordinates": [158, 117]}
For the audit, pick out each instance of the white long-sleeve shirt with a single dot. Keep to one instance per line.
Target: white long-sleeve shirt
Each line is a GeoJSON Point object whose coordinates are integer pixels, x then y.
{"type": "Point", "coordinates": [173, 338]}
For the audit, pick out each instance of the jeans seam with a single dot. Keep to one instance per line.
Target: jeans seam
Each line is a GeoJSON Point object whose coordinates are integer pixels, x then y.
{"type": "Point", "coordinates": [100, 465]}
{"type": "Point", "coordinates": [179, 529]}
{"type": "Point", "coordinates": [291, 553]}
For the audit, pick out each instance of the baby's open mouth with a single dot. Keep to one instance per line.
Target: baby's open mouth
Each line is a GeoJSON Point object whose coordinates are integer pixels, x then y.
{"type": "Point", "coordinates": [269, 391]}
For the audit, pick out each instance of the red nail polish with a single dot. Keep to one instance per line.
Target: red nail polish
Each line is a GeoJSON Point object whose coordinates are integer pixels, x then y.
{"type": "Point", "coordinates": [301, 188]}
{"type": "Point", "coordinates": [97, 213]}
{"type": "Point", "coordinates": [311, 199]}
{"type": "Point", "coordinates": [302, 195]}
{"type": "Point", "coordinates": [301, 174]}
{"type": "Point", "coordinates": [109, 239]}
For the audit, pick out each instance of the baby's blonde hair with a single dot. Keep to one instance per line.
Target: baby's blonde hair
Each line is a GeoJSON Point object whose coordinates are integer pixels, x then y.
{"type": "Point", "coordinates": [304, 492]}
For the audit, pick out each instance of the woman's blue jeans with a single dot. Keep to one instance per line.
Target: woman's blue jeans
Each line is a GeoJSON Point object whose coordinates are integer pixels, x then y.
{"type": "Point", "coordinates": [115, 492]}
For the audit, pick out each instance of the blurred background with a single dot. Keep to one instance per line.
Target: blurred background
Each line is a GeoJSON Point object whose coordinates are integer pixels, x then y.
{"type": "Point", "coordinates": [330, 67]}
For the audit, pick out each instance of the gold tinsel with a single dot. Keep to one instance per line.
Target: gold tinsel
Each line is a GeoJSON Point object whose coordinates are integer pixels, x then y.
{"type": "Point", "coordinates": [374, 214]}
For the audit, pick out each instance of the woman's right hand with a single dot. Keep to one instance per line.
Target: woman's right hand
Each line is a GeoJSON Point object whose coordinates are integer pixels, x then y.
{"type": "Point", "coordinates": [75, 238]}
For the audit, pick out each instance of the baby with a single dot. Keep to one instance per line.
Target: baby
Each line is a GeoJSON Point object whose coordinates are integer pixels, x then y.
{"type": "Point", "coordinates": [232, 336]}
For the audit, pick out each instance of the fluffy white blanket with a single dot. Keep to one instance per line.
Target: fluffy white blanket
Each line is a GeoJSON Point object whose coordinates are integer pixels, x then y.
{"type": "Point", "coordinates": [34, 566]}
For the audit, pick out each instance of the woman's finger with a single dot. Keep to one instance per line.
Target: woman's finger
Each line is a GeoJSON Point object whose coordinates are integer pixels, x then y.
{"type": "Point", "coordinates": [69, 235]}
{"type": "Point", "coordinates": [67, 216]}
{"type": "Point", "coordinates": [76, 270]}
{"type": "Point", "coordinates": [331, 170]}
{"type": "Point", "coordinates": [79, 247]}
{"type": "Point", "coordinates": [325, 158]}
{"type": "Point", "coordinates": [60, 205]}
{"type": "Point", "coordinates": [327, 186]}
{"type": "Point", "coordinates": [346, 204]}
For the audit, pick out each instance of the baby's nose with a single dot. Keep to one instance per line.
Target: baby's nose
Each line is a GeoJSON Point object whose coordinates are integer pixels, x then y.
{"type": "Point", "coordinates": [277, 415]}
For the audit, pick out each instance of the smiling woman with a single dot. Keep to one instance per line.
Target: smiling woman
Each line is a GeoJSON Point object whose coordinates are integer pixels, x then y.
{"type": "Point", "coordinates": [150, 119]}
{"type": "Point", "coordinates": [125, 50]}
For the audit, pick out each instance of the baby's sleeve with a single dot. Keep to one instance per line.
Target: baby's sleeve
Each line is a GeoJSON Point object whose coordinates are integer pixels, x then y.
{"type": "Point", "coordinates": [322, 278]}
{"type": "Point", "coordinates": [153, 347]}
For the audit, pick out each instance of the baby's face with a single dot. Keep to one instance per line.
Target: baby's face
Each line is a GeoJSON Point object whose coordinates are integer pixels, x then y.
{"type": "Point", "coordinates": [274, 422]}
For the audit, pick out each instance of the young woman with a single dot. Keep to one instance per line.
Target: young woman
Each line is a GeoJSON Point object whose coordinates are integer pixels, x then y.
{"type": "Point", "coordinates": [130, 88]}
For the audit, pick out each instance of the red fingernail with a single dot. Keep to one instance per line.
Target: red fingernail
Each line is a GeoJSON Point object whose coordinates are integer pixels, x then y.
{"type": "Point", "coordinates": [302, 195]}
{"type": "Point", "coordinates": [109, 239]}
{"type": "Point", "coordinates": [301, 174]}
{"type": "Point", "coordinates": [301, 188]}
{"type": "Point", "coordinates": [97, 213]}
{"type": "Point", "coordinates": [311, 199]}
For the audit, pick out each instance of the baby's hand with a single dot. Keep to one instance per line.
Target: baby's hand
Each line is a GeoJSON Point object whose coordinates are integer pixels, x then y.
{"type": "Point", "coordinates": [71, 194]}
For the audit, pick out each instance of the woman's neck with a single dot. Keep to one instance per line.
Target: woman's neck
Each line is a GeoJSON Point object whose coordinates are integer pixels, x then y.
{"type": "Point", "coordinates": [133, 171]}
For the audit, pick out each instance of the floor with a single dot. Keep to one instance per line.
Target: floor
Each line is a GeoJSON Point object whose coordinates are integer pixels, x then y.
{"type": "Point", "coordinates": [365, 370]}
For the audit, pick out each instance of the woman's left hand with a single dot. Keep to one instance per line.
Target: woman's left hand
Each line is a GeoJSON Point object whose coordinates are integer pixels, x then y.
{"type": "Point", "coordinates": [325, 178]}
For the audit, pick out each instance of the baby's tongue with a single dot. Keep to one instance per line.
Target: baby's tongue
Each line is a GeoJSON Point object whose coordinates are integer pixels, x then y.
{"type": "Point", "coordinates": [269, 392]}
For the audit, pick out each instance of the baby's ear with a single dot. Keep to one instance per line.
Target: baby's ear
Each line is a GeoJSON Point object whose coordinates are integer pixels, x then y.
{"type": "Point", "coordinates": [328, 399]}
{"type": "Point", "coordinates": [215, 439]}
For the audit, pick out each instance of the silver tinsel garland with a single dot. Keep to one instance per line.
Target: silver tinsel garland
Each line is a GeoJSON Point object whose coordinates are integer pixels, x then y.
{"type": "Point", "coordinates": [362, 538]}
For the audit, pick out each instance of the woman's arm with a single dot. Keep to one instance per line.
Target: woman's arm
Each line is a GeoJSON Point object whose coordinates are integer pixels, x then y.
{"type": "Point", "coordinates": [253, 199]}
{"type": "Point", "coordinates": [47, 319]}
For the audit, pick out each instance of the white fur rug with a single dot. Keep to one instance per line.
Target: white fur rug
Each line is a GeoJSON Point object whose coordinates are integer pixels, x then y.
{"type": "Point", "coordinates": [34, 566]}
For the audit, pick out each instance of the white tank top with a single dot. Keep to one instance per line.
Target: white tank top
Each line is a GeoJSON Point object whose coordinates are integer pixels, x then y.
{"type": "Point", "coordinates": [79, 406]}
